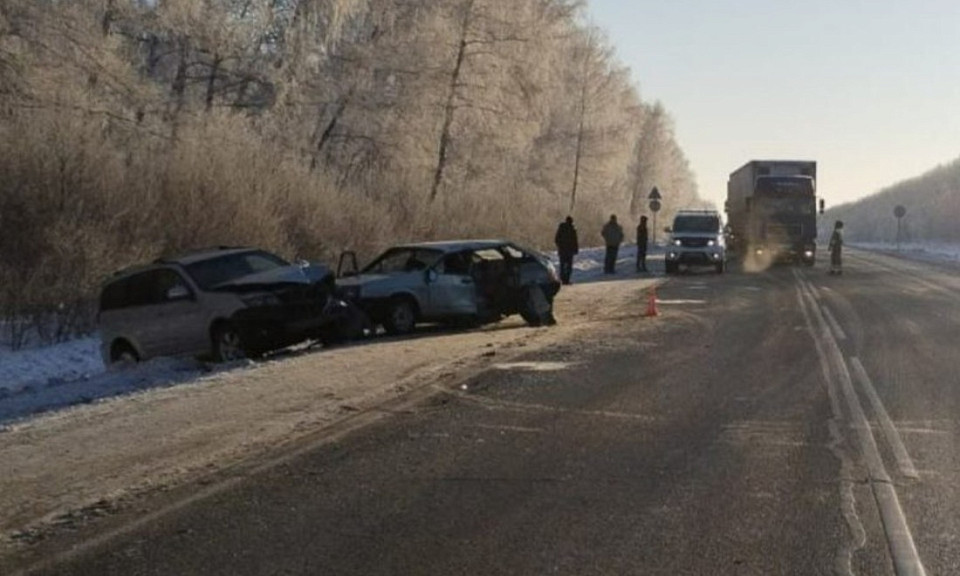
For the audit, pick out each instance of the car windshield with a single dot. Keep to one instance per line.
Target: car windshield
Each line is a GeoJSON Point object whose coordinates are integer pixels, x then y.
{"type": "Point", "coordinates": [784, 186]}
{"type": "Point", "coordinates": [403, 260]}
{"type": "Point", "coordinates": [210, 273]}
{"type": "Point", "coordinates": [696, 224]}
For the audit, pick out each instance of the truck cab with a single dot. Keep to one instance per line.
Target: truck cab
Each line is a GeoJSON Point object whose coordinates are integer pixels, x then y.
{"type": "Point", "coordinates": [696, 239]}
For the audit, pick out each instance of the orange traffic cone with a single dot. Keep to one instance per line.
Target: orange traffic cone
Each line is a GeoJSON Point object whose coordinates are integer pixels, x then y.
{"type": "Point", "coordinates": [652, 302]}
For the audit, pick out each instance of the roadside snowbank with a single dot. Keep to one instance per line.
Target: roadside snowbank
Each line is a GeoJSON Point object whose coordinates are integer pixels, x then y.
{"type": "Point", "coordinates": [927, 251]}
{"type": "Point", "coordinates": [45, 378]}
{"type": "Point", "coordinates": [35, 368]}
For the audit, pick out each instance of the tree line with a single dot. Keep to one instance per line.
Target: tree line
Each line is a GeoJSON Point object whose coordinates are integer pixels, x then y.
{"type": "Point", "coordinates": [932, 203]}
{"type": "Point", "coordinates": [135, 128]}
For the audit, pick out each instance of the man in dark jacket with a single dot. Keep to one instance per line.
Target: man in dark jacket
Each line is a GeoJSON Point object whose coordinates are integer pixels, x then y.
{"type": "Point", "coordinates": [642, 245]}
{"type": "Point", "coordinates": [567, 247]}
{"type": "Point", "coordinates": [836, 248]}
{"type": "Point", "coordinates": [612, 236]}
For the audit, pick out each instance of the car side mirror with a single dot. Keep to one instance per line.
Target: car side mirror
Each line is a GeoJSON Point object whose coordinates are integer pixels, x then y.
{"type": "Point", "coordinates": [179, 292]}
{"type": "Point", "coordinates": [668, 230]}
{"type": "Point", "coordinates": [431, 276]}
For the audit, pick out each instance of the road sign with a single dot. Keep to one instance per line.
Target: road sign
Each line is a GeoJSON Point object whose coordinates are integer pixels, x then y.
{"type": "Point", "coordinates": [899, 212]}
{"type": "Point", "coordinates": [654, 195]}
{"type": "Point", "coordinates": [654, 205]}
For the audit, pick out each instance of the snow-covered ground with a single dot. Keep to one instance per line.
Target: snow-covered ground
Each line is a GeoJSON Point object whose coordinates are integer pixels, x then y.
{"type": "Point", "coordinates": [49, 365]}
{"type": "Point", "coordinates": [928, 251]}
{"type": "Point", "coordinates": [42, 378]}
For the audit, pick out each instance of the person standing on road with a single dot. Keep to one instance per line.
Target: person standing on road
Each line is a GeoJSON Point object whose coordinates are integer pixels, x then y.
{"type": "Point", "coordinates": [836, 247]}
{"type": "Point", "coordinates": [612, 236]}
{"type": "Point", "coordinates": [567, 247]}
{"type": "Point", "coordinates": [642, 245]}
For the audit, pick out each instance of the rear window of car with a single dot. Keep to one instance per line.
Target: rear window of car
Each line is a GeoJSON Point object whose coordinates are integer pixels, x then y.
{"type": "Point", "coordinates": [141, 289]}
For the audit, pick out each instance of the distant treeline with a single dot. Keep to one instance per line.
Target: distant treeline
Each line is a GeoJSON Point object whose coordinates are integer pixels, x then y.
{"type": "Point", "coordinates": [133, 128]}
{"type": "Point", "coordinates": [932, 203]}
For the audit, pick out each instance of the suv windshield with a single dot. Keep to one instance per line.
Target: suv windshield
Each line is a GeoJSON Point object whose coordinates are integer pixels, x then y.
{"type": "Point", "coordinates": [709, 224]}
{"type": "Point", "coordinates": [209, 274]}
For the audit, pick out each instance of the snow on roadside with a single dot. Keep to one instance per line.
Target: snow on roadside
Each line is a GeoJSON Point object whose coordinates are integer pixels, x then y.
{"type": "Point", "coordinates": [41, 366]}
{"type": "Point", "coordinates": [60, 392]}
{"type": "Point", "coordinates": [45, 378]}
{"type": "Point", "coordinates": [926, 251]}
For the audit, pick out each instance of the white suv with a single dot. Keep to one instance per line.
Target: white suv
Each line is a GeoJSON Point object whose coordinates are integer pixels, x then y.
{"type": "Point", "coordinates": [228, 303]}
{"type": "Point", "coordinates": [696, 239]}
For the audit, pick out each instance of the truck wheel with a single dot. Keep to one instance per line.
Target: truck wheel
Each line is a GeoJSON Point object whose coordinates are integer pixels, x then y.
{"type": "Point", "coordinates": [401, 317]}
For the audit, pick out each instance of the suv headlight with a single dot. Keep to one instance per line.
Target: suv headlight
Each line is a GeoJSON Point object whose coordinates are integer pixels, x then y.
{"type": "Point", "coordinates": [678, 242]}
{"type": "Point", "coordinates": [711, 242]}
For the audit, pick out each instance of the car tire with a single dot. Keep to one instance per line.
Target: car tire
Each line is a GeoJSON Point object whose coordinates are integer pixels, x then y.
{"type": "Point", "coordinates": [670, 267]}
{"type": "Point", "coordinates": [721, 266]}
{"type": "Point", "coordinates": [228, 344]}
{"type": "Point", "coordinates": [535, 308]}
{"type": "Point", "coordinates": [122, 355]}
{"type": "Point", "coordinates": [401, 317]}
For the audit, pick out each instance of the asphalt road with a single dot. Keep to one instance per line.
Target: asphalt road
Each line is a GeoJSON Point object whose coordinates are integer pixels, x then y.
{"type": "Point", "coordinates": [785, 422]}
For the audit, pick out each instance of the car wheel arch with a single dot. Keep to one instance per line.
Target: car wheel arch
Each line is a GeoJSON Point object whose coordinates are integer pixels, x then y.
{"type": "Point", "coordinates": [121, 345]}
{"type": "Point", "coordinates": [406, 296]}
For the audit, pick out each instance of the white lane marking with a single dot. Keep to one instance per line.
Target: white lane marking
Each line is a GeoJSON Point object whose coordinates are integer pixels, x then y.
{"type": "Point", "coordinates": [681, 301]}
{"type": "Point", "coordinates": [834, 325]}
{"type": "Point", "coordinates": [535, 366]}
{"type": "Point", "coordinates": [848, 501]}
{"type": "Point", "coordinates": [904, 462]}
{"type": "Point", "coordinates": [503, 428]}
{"type": "Point", "coordinates": [906, 561]}
{"type": "Point", "coordinates": [903, 550]}
{"type": "Point", "coordinates": [868, 444]}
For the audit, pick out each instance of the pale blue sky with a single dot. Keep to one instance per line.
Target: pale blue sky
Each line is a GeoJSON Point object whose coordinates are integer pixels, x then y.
{"type": "Point", "coordinates": [871, 90]}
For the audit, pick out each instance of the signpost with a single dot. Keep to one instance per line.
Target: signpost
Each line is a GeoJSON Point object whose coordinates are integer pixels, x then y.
{"type": "Point", "coordinates": [654, 198]}
{"type": "Point", "coordinates": [899, 212]}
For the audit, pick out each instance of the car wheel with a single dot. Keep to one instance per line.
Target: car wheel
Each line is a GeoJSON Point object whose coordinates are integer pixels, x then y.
{"type": "Point", "coordinates": [123, 355]}
{"type": "Point", "coordinates": [670, 267]}
{"type": "Point", "coordinates": [227, 344]}
{"type": "Point", "coordinates": [535, 308]}
{"type": "Point", "coordinates": [401, 317]}
{"type": "Point", "coordinates": [720, 267]}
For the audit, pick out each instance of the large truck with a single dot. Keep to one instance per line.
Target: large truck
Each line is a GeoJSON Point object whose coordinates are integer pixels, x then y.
{"type": "Point", "coordinates": [772, 210]}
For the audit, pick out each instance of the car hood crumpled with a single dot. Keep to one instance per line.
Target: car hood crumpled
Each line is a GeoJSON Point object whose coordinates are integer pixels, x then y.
{"type": "Point", "coordinates": [292, 274]}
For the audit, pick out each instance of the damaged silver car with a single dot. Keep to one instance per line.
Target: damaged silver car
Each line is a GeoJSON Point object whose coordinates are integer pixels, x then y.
{"type": "Point", "coordinates": [472, 281]}
{"type": "Point", "coordinates": [228, 303]}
